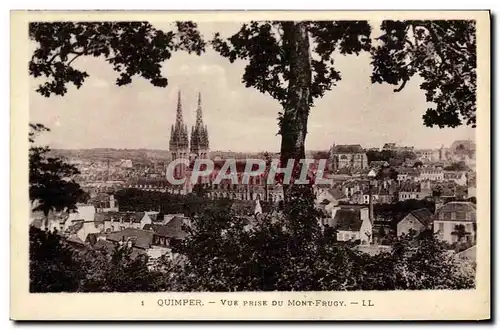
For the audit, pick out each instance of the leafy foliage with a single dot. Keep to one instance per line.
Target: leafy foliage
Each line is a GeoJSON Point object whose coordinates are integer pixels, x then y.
{"type": "Point", "coordinates": [267, 45]}
{"type": "Point", "coordinates": [131, 199]}
{"type": "Point", "coordinates": [267, 258]}
{"type": "Point", "coordinates": [54, 265]}
{"type": "Point", "coordinates": [393, 157]}
{"type": "Point", "coordinates": [51, 183]}
{"type": "Point", "coordinates": [443, 54]}
{"type": "Point", "coordinates": [280, 64]}
{"type": "Point", "coordinates": [459, 166]}
{"type": "Point", "coordinates": [132, 48]}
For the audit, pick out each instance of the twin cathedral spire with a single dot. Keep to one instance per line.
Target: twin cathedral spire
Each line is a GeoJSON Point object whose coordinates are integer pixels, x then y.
{"type": "Point", "coordinates": [180, 144]}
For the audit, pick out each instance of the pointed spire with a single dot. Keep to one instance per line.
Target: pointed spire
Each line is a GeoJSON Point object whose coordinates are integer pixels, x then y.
{"type": "Point", "coordinates": [179, 135]}
{"type": "Point", "coordinates": [199, 114]}
{"type": "Point", "coordinates": [179, 120]}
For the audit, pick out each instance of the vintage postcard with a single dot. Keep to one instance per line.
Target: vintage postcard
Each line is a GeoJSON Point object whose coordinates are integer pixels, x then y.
{"type": "Point", "coordinates": [250, 165]}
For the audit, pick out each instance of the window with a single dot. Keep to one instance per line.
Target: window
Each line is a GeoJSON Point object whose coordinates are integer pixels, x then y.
{"type": "Point", "coordinates": [441, 227]}
{"type": "Point", "coordinates": [467, 216]}
{"type": "Point", "coordinates": [453, 216]}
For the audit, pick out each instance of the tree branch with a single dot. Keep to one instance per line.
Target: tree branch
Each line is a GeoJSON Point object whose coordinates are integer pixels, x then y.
{"type": "Point", "coordinates": [400, 88]}
{"type": "Point", "coordinates": [74, 58]}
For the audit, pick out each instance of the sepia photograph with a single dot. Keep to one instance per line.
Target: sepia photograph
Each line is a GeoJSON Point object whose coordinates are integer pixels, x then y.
{"type": "Point", "coordinates": [254, 154]}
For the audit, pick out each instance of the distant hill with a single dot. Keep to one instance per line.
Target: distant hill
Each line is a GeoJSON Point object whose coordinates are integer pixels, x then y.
{"type": "Point", "coordinates": [105, 154]}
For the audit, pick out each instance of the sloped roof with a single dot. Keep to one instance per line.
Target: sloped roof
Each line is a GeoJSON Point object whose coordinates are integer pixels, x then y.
{"type": "Point", "coordinates": [348, 220]}
{"type": "Point", "coordinates": [151, 227]}
{"type": "Point", "coordinates": [459, 208]}
{"type": "Point", "coordinates": [173, 229]}
{"type": "Point", "coordinates": [423, 215]}
{"type": "Point", "coordinates": [126, 216]}
{"type": "Point", "coordinates": [337, 193]}
{"type": "Point", "coordinates": [74, 227]}
{"type": "Point", "coordinates": [142, 238]}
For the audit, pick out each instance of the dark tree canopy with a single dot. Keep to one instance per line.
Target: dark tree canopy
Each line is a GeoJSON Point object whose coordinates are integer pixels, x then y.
{"type": "Point", "coordinates": [51, 182]}
{"type": "Point", "coordinates": [132, 48]}
{"type": "Point", "coordinates": [293, 62]}
{"type": "Point", "coordinates": [267, 46]}
{"type": "Point", "coordinates": [443, 54]}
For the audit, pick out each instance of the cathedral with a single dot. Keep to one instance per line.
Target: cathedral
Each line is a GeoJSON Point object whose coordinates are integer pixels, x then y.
{"type": "Point", "coordinates": [181, 146]}
{"type": "Point", "coordinates": [196, 146]}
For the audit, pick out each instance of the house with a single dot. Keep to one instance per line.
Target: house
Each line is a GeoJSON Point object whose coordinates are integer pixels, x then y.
{"type": "Point", "coordinates": [427, 155]}
{"type": "Point", "coordinates": [351, 187]}
{"type": "Point", "coordinates": [456, 222]}
{"type": "Point", "coordinates": [407, 174]}
{"type": "Point", "coordinates": [416, 220]}
{"type": "Point", "coordinates": [431, 174]}
{"type": "Point", "coordinates": [117, 221]}
{"type": "Point", "coordinates": [81, 223]}
{"type": "Point", "coordinates": [348, 156]}
{"type": "Point", "coordinates": [164, 237]}
{"type": "Point", "coordinates": [413, 190]}
{"type": "Point", "coordinates": [387, 192]}
{"type": "Point", "coordinates": [459, 177]}
{"type": "Point", "coordinates": [332, 195]}
{"type": "Point", "coordinates": [83, 212]}
{"type": "Point", "coordinates": [139, 238]}
{"type": "Point", "coordinates": [352, 223]}
{"type": "Point", "coordinates": [136, 239]}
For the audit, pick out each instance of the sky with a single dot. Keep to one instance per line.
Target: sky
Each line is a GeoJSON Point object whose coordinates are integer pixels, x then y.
{"type": "Point", "coordinates": [139, 115]}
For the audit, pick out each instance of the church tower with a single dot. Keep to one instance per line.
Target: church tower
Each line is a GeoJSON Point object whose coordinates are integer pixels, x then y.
{"type": "Point", "coordinates": [199, 135]}
{"type": "Point", "coordinates": [179, 141]}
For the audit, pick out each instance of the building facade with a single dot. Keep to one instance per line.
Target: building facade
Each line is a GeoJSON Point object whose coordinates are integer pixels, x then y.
{"type": "Point", "coordinates": [348, 156]}
{"type": "Point", "coordinates": [456, 222]}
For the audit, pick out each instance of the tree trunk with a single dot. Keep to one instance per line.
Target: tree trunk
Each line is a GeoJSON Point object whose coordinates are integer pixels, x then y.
{"type": "Point", "coordinates": [296, 110]}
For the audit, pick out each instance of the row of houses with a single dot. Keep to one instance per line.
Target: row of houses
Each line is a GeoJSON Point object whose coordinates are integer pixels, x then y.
{"type": "Point", "coordinates": [357, 191]}
{"type": "Point", "coordinates": [434, 174]}
{"type": "Point", "coordinates": [453, 222]}
{"type": "Point", "coordinates": [149, 233]}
